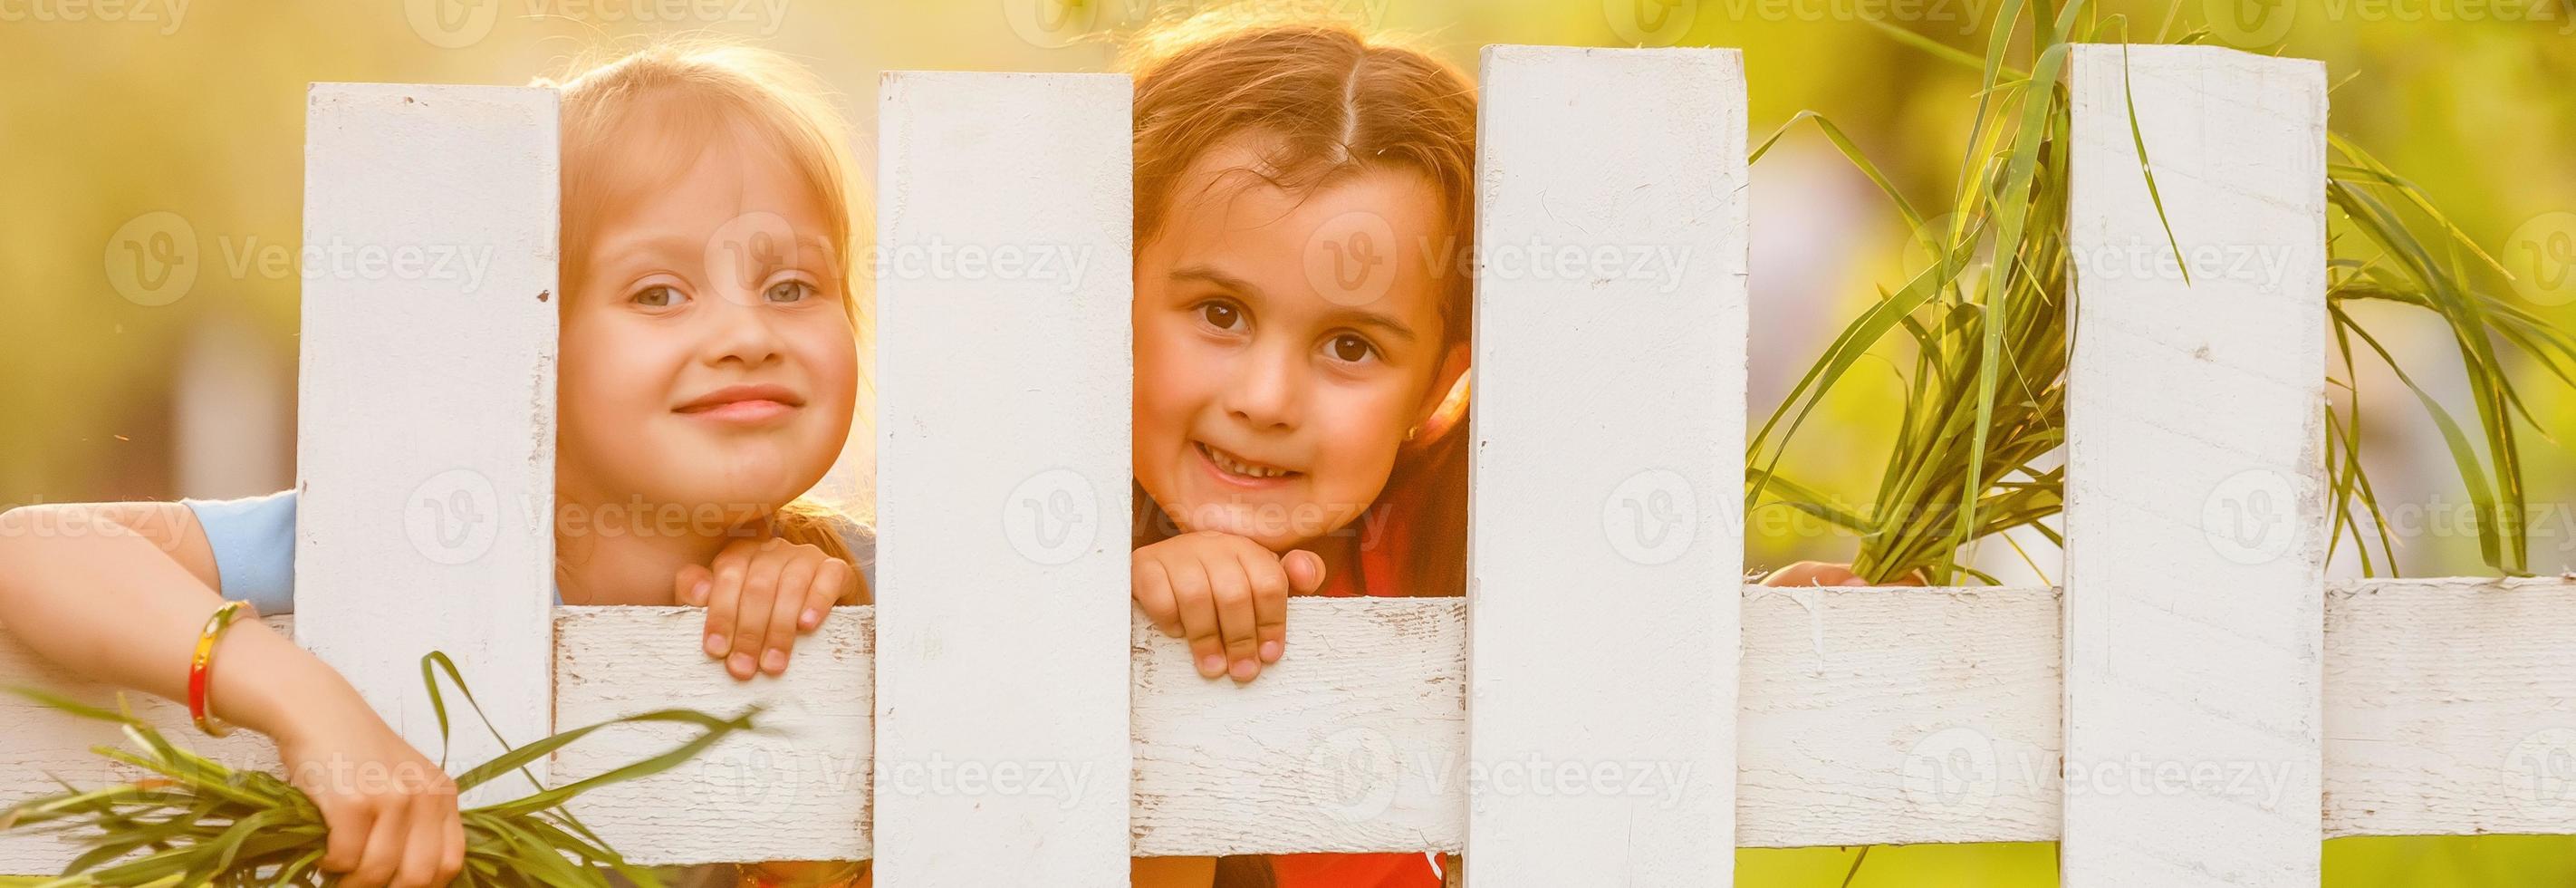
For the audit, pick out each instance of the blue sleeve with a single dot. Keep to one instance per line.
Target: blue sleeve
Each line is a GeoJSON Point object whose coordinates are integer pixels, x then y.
{"type": "Point", "coordinates": [254, 544]}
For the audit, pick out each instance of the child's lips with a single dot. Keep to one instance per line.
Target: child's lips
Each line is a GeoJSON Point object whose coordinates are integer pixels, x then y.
{"type": "Point", "coordinates": [749, 411]}
{"type": "Point", "coordinates": [1208, 457]}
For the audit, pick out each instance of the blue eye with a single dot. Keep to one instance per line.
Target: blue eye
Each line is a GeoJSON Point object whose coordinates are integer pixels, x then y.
{"type": "Point", "coordinates": [658, 296]}
{"type": "Point", "coordinates": [789, 291]}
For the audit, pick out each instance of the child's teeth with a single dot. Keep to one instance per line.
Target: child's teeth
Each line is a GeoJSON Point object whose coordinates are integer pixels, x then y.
{"type": "Point", "coordinates": [1229, 464]}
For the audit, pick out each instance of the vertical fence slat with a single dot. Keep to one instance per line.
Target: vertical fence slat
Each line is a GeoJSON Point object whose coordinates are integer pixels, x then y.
{"type": "Point", "coordinates": [425, 447]}
{"type": "Point", "coordinates": [1003, 616]}
{"type": "Point", "coordinates": [2195, 510]}
{"type": "Point", "coordinates": [1605, 540]}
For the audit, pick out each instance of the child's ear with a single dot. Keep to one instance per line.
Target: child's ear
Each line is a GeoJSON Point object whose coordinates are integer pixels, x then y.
{"type": "Point", "coordinates": [1446, 402]}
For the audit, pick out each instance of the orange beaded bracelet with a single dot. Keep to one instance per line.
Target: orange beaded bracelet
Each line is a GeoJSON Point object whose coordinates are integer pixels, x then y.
{"type": "Point", "coordinates": [200, 673]}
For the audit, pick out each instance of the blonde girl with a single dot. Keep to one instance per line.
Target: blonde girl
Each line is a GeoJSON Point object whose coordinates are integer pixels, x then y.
{"type": "Point", "coordinates": [695, 378]}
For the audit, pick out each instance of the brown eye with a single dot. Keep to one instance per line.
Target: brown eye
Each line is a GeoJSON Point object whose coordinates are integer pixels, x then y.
{"type": "Point", "coordinates": [789, 291]}
{"type": "Point", "coordinates": [658, 296]}
{"type": "Point", "coordinates": [1351, 347]}
{"type": "Point", "coordinates": [1220, 315]}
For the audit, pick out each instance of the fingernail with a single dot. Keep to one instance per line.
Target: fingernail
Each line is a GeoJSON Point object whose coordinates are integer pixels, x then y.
{"type": "Point", "coordinates": [1245, 669]}
{"type": "Point", "coordinates": [740, 665]}
{"type": "Point", "coordinates": [774, 662]}
{"type": "Point", "coordinates": [698, 593]}
{"type": "Point", "coordinates": [1211, 665]}
{"type": "Point", "coordinates": [810, 619]}
{"type": "Point", "coordinates": [715, 644]}
{"type": "Point", "coordinates": [1269, 652]}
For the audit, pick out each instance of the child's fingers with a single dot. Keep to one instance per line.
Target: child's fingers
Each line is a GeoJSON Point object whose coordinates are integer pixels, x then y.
{"type": "Point", "coordinates": [1305, 571]}
{"type": "Point", "coordinates": [1153, 592]}
{"type": "Point", "coordinates": [692, 584]}
{"type": "Point", "coordinates": [795, 585]}
{"type": "Point", "coordinates": [724, 598]}
{"type": "Point", "coordinates": [1231, 584]}
{"type": "Point", "coordinates": [759, 596]}
{"type": "Point", "coordinates": [1197, 606]}
{"type": "Point", "coordinates": [831, 582]}
{"type": "Point", "coordinates": [384, 849]}
{"type": "Point", "coordinates": [427, 842]}
{"type": "Point", "coordinates": [1270, 588]}
{"type": "Point", "coordinates": [346, 823]}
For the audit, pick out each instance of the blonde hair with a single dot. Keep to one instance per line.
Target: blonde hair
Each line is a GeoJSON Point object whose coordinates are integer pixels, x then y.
{"type": "Point", "coordinates": [703, 90]}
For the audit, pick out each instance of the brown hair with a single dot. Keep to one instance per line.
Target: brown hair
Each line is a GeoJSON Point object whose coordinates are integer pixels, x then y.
{"type": "Point", "coordinates": [1336, 101]}
{"type": "Point", "coordinates": [710, 88]}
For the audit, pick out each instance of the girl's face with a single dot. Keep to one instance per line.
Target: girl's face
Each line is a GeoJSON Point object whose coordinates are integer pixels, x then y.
{"type": "Point", "coordinates": [707, 358]}
{"type": "Point", "coordinates": [1285, 343]}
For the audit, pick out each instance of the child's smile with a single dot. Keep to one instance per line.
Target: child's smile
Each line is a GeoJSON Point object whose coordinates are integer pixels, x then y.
{"type": "Point", "coordinates": [1271, 399]}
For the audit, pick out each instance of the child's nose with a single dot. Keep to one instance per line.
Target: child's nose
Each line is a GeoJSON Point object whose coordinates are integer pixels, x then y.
{"type": "Point", "coordinates": [1267, 392]}
{"type": "Point", "coordinates": [741, 331]}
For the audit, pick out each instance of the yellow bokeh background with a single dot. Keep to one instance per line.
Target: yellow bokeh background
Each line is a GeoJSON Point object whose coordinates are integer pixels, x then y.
{"type": "Point", "coordinates": [114, 110]}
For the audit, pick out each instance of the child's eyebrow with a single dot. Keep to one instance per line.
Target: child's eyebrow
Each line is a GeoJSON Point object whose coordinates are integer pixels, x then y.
{"type": "Point", "coordinates": [1360, 317]}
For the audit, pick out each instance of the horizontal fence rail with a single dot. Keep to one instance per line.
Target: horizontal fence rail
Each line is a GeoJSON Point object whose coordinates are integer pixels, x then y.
{"type": "Point", "coordinates": [2198, 705]}
{"type": "Point", "coordinates": [1869, 716]}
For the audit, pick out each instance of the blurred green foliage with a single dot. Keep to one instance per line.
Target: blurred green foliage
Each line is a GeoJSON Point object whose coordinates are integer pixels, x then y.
{"type": "Point", "coordinates": [114, 109]}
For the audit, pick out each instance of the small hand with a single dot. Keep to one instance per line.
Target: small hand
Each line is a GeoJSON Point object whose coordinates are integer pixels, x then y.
{"type": "Point", "coordinates": [389, 813]}
{"type": "Point", "coordinates": [759, 595]}
{"type": "Point", "coordinates": [1226, 594]}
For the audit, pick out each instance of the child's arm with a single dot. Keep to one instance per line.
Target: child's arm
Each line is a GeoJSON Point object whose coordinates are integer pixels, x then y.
{"type": "Point", "coordinates": [117, 593]}
{"type": "Point", "coordinates": [1226, 594]}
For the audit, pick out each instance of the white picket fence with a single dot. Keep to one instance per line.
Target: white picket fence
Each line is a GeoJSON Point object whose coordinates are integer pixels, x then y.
{"type": "Point", "coordinates": [1609, 702]}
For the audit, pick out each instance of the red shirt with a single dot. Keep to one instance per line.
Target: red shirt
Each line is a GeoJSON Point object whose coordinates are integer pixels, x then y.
{"type": "Point", "coordinates": [1404, 525]}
